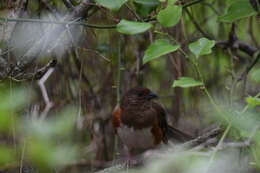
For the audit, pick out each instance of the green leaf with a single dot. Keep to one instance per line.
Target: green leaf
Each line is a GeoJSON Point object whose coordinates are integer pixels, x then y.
{"type": "Point", "coordinates": [170, 16]}
{"type": "Point", "coordinates": [111, 4]}
{"type": "Point", "coordinates": [255, 75]}
{"type": "Point", "coordinates": [147, 2]}
{"type": "Point", "coordinates": [144, 9]}
{"type": "Point", "coordinates": [201, 47]}
{"type": "Point", "coordinates": [7, 155]}
{"type": "Point", "coordinates": [131, 27]}
{"type": "Point", "coordinates": [237, 10]}
{"type": "Point", "coordinates": [171, 2]}
{"type": "Point", "coordinates": [158, 48]}
{"type": "Point", "coordinates": [253, 101]}
{"type": "Point", "coordinates": [186, 82]}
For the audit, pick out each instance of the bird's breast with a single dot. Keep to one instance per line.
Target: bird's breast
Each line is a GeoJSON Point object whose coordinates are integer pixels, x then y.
{"type": "Point", "coordinates": [136, 138]}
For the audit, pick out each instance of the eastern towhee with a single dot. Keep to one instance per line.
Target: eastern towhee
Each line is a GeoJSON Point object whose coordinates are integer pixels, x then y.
{"type": "Point", "coordinates": [141, 123]}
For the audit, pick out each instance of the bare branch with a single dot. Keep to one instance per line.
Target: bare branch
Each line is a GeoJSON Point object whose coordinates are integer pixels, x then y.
{"type": "Point", "coordinates": [47, 101]}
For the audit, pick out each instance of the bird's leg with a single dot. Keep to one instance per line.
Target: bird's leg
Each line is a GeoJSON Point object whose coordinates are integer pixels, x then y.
{"type": "Point", "coordinates": [128, 156]}
{"type": "Point", "coordinates": [132, 158]}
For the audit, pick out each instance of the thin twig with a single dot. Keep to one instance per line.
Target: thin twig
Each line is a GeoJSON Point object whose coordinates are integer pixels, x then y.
{"type": "Point", "coordinates": [191, 3]}
{"type": "Point", "coordinates": [84, 78]}
{"type": "Point", "coordinates": [67, 4]}
{"type": "Point", "coordinates": [242, 46]}
{"type": "Point", "coordinates": [133, 12]}
{"type": "Point", "coordinates": [251, 32]}
{"type": "Point", "coordinates": [203, 138]}
{"type": "Point", "coordinates": [250, 66]}
{"type": "Point", "coordinates": [49, 7]}
{"type": "Point", "coordinates": [212, 8]}
{"type": "Point", "coordinates": [197, 25]}
{"type": "Point", "coordinates": [58, 22]}
{"type": "Point", "coordinates": [118, 80]}
{"type": "Point", "coordinates": [36, 75]}
{"type": "Point", "coordinates": [96, 52]}
{"type": "Point", "coordinates": [79, 118]}
{"type": "Point", "coordinates": [22, 156]}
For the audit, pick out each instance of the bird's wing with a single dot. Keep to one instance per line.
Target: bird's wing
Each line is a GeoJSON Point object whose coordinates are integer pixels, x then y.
{"type": "Point", "coordinates": [161, 116]}
{"type": "Point", "coordinates": [169, 131]}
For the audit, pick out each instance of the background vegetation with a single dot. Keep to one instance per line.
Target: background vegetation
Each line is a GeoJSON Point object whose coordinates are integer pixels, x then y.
{"type": "Point", "coordinates": [65, 64]}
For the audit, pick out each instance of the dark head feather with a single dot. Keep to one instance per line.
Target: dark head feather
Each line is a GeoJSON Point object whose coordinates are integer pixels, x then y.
{"type": "Point", "coordinates": [137, 96]}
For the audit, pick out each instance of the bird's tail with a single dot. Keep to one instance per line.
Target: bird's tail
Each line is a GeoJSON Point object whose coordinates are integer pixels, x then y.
{"type": "Point", "coordinates": [177, 135]}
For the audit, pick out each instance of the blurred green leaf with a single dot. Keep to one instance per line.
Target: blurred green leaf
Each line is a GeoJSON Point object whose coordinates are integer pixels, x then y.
{"type": "Point", "coordinates": [7, 121]}
{"type": "Point", "coordinates": [47, 155]}
{"type": "Point", "coordinates": [157, 49]}
{"type": "Point", "coordinates": [65, 123]}
{"type": "Point", "coordinates": [111, 4]}
{"type": "Point", "coordinates": [186, 82]}
{"type": "Point", "coordinates": [59, 126]}
{"type": "Point", "coordinates": [50, 140]}
{"type": "Point", "coordinates": [63, 155]}
{"type": "Point", "coordinates": [237, 10]}
{"type": "Point", "coordinates": [40, 153]}
{"type": "Point", "coordinates": [131, 27]}
{"type": "Point", "coordinates": [170, 16]}
{"type": "Point", "coordinates": [253, 101]}
{"type": "Point", "coordinates": [255, 75]}
{"type": "Point", "coordinates": [201, 47]}
{"type": "Point", "coordinates": [11, 100]}
{"type": "Point", "coordinates": [6, 155]}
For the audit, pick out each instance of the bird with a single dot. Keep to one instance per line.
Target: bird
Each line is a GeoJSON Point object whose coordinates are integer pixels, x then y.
{"type": "Point", "coordinates": [141, 123]}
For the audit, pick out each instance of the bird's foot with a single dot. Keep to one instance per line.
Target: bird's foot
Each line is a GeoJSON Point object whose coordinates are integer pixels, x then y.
{"type": "Point", "coordinates": [132, 162]}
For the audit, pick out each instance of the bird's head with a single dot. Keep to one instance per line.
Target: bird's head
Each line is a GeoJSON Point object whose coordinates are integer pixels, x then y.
{"type": "Point", "coordinates": [138, 95]}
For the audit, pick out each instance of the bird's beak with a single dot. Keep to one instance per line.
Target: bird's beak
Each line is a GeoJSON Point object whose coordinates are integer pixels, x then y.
{"type": "Point", "coordinates": [152, 96]}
